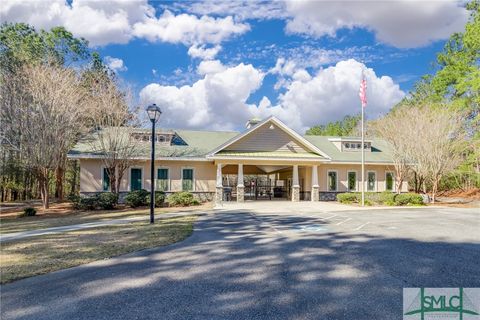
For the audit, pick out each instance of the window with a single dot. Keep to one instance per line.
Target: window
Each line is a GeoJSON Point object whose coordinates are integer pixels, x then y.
{"type": "Point", "coordinates": [105, 180]}
{"type": "Point", "coordinates": [352, 181]}
{"type": "Point", "coordinates": [371, 180]}
{"type": "Point", "coordinates": [332, 181]}
{"type": "Point", "coordinates": [187, 179]}
{"type": "Point", "coordinates": [162, 179]}
{"type": "Point", "coordinates": [135, 179]}
{"type": "Point", "coordinates": [161, 138]}
{"type": "Point", "coordinates": [347, 145]}
{"type": "Point", "coordinates": [389, 181]}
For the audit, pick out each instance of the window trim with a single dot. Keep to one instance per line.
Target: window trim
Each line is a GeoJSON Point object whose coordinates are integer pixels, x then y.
{"type": "Point", "coordinates": [130, 177]}
{"type": "Point", "coordinates": [102, 174]}
{"type": "Point", "coordinates": [169, 186]}
{"type": "Point", "coordinates": [375, 188]}
{"type": "Point", "coordinates": [356, 181]}
{"type": "Point", "coordinates": [393, 177]}
{"type": "Point", "coordinates": [336, 182]}
{"type": "Point", "coordinates": [193, 178]}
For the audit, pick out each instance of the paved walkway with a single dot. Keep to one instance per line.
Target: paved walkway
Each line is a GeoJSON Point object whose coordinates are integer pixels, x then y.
{"type": "Point", "coordinates": [38, 232]}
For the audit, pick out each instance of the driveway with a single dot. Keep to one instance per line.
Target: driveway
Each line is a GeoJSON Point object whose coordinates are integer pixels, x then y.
{"type": "Point", "coordinates": [294, 263]}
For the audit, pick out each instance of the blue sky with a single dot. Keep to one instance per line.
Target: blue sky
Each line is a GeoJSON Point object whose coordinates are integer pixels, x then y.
{"type": "Point", "coordinates": [215, 64]}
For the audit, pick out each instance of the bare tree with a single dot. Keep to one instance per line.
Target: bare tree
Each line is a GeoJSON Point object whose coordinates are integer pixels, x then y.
{"type": "Point", "coordinates": [43, 105]}
{"type": "Point", "coordinates": [114, 140]}
{"type": "Point", "coordinates": [425, 139]}
{"type": "Point", "coordinates": [439, 143]}
{"type": "Point", "coordinates": [392, 129]}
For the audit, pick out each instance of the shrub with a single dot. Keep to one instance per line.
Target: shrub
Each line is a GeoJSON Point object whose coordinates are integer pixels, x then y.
{"type": "Point", "coordinates": [88, 203]}
{"type": "Point", "coordinates": [347, 197]}
{"type": "Point", "coordinates": [368, 202]}
{"type": "Point", "coordinates": [408, 199]}
{"type": "Point", "coordinates": [386, 198]}
{"type": "Point", "coordinates": [137, 198]}
{"type": "Point", "coordinates": [29, 212]}
{"type": "Point", "coordinates": [107, 200]}
{"type": "Point", "coordinates": [159, 198]}
{"type": "Point", "coordinates": [75, 200]}
{"type": "Point", "coordinates": [183, 198]}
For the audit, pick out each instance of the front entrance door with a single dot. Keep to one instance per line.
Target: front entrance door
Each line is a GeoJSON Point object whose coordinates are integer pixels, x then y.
{"type": "Point", "coordinates": [135, 179]}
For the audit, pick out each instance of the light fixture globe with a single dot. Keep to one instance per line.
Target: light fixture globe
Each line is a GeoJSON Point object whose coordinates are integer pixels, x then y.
{"type": "Point", "coordinates": [154, 112]}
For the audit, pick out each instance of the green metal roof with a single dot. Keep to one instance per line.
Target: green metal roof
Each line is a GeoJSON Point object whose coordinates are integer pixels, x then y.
{"type": "Point", "coordinates": [380, 150]}
{"type": "Point", "coordinates": [269, 154]}
{"type": "Point", "coordinates": [200, 143]}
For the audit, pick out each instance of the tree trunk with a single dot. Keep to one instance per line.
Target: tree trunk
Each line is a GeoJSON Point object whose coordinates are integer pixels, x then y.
{"type": "Point", "coordinates": [43, 185]}
{"type": "Point", "coordinates": [59, 173]}
{"type": "Point", "coordinates": [113, 180]}
{"type": "Point", "coordinates": [434, 189]}
{"type": "Point", "coordinates": [73, 182]}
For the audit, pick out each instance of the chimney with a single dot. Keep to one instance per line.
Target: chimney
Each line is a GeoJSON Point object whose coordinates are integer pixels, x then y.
{"type": "Point", "coordinates": [252, 122]}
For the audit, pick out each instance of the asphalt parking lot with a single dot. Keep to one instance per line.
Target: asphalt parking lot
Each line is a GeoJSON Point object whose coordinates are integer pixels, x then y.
{"type": "Point", "coordinates": [293, 262]}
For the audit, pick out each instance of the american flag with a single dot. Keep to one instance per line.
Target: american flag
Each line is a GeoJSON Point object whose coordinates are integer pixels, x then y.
{"type": "Point", "coordinates": [363, 91]}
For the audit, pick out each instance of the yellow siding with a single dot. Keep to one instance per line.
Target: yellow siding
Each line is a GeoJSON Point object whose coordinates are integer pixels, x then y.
{"type": "Point", "coordinates": [266, 139]}
{"type": "Point", "coordinates": [205, 174]}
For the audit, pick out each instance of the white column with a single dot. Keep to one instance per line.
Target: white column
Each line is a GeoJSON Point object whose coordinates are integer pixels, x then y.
{"type": "Point", "coordinates": [295, 176]}
{"type": "Point", "coordinates": [240, 175]}
{"type": "Point", "coordinates": [240, 186]}
{"type": "Point", "coordinates": [315, 187]}
{"type": "Point", "coordinates": [296, 185]}
{"type": "Point", "coordinates": [219, 176]}
{"type": "Point", "coordinates": [315, 176]}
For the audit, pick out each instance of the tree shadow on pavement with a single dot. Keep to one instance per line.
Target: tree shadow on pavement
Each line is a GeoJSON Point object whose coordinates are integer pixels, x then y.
{"type": "Point", "coordinates": [238, 266]}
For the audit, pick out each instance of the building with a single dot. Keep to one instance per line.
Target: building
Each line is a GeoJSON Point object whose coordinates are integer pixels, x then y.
{"type": "Point", "coordinates": [266, 161]}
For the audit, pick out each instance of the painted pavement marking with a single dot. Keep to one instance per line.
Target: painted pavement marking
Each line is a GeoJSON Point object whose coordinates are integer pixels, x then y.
{"type": "Point", "coordinates": [361, 226]}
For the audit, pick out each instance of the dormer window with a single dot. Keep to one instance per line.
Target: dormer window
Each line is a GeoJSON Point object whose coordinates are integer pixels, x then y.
{"type": "Point", "coordinates": [355, 146]}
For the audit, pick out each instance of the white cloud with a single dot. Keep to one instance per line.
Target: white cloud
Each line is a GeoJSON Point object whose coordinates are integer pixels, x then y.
{"type": "Point", "coordinates": [118, 21]}
{"type": "Point", "coordinates": [210, 66]}
{"type": "Point", "coordinates": [116, 64]}
{"type": "Point", "coordinates": [245, 9]}
{"type": "Point", "coordinates": [203, 52]}
{"type": "Point", "coordinates": [219, 99]}
{"type": "Point", "coordinates": [188, 29]}
{"type": "Point", "coordinates": [333, 93]}
{"type": "Point", "coordinates": [401, 23]}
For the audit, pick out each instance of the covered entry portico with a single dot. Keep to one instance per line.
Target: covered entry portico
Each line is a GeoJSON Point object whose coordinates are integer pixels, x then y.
{"type": "Point", "coordinates": [286, 160]}
{"type": "Point", "coordinates": [254, 180]}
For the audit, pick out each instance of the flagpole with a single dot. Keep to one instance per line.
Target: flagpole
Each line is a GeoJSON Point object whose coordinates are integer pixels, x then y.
{"type": "Point", "coordinates": [363, 159]}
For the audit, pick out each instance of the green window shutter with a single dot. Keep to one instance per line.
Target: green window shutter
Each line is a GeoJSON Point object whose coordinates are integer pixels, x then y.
{"type": "Point", "coordinates": [187, 180]}
{"type": "Point", "coordinates": [352, 181]}
{"type": "Point", "coordinates": [162, 179]}
{"type": "Point", "coordinates": [389, 181]}
{"type": "Point", "coordinates": [371, 181]}
{"type": "Point", "coordinates": [105, 180]}
{"type": "Point", "coordinates": [135, 179]}
{"type": "Point", "coordinates": [332, 181]}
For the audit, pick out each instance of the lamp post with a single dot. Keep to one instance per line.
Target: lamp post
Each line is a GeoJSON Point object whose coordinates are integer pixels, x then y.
{"type": "Point", "coordinates": [154, 113]}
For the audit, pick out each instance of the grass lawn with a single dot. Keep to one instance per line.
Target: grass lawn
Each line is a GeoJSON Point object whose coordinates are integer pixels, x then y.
{"type": "Point", "coordinates": [43, 254]}
{"type": "Point", "coordinates": [65, 215]}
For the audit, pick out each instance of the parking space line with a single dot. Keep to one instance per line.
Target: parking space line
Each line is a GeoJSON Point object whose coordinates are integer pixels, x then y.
{"type": "Point", "coordinates": [331, 216]}
{"type": "Point", "coordinates": [265, 222]}
{"type": "Point", "coordinates": [361, 226]}
{"type": "Point", "coordinates": [337, 224]}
